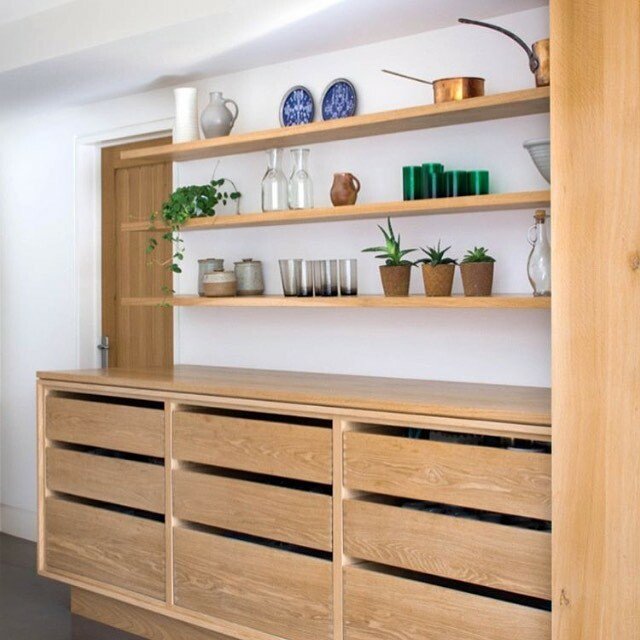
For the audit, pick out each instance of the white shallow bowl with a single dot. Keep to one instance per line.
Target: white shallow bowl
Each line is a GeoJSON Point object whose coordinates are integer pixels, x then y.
{"type": "Point", "coordinates": [540, 152]}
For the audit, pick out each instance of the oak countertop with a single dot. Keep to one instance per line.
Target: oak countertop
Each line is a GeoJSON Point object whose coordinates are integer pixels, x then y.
{"type": "Point", "coordinates": [503, 403]}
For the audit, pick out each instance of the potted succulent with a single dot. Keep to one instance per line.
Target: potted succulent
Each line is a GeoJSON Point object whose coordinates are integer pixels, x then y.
{"type": "Point", "coordinates": [437, 271]}
{"type": "Point", "coordinates": [396, 271]}
{"type": "Point", "coordinates": [477, 272]}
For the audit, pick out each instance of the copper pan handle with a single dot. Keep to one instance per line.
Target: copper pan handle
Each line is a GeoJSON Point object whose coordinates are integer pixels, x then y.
{"type": "Point", "coordinates": [402, 75]}
{"type": "Point", "coordinates": [534, 61]}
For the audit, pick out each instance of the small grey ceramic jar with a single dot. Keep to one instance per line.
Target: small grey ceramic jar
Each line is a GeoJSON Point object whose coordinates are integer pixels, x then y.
{"type": "Point", "coordinates": [249, 277]}
{"type": "Point", "coordinates": [205, 267]}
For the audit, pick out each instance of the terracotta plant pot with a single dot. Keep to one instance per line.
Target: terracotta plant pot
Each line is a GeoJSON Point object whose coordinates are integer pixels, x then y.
{"type": "Point", "coordinates": [477, 278]}
{"type": "Point", "coordinates": [438, 280]}
{"type": "Point", "coordinates": [395, 280]}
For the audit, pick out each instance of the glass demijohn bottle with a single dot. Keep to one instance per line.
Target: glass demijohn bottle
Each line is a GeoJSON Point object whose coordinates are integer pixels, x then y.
{"type": "Point", "coordinates": [300, 185]}
{"type": "Point", "coordinates": [539, 264]}
{"type": "Point", "coordinates": [274, 183]}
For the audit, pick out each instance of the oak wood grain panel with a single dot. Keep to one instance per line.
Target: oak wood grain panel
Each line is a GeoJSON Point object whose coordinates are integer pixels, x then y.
{"type": "Point", "coordinates": [595, 137]}
{"type": "Point", "coordinates": [100, 424]}
{"type": "Point", "coordinates": [492, 555]}
{"type": "Point", "coordinates": [274, 448]}
{"type": "Point", "coordinates": [275, 591]}
{"type": "Point", "coordinates": [503, 403]}
{"type": "Point", "coordinates": [381, 607]}
{"type": "Point", "coordinates": [365, 211]}
{"type": "Point", "coordinates": [135, 620]}
{"type": "Point", "coordinates": [501, 105]}
{"type": "Point", "coordinates": [125, 482]}
{"type": "Point", "coordinates": [113, 548]}
{"type": "Point", "coordinates": [277, 513]}
{"type": "Point", "coordinates": [486, 478]}
{"type": "Point", "coordinates": [498, 301]}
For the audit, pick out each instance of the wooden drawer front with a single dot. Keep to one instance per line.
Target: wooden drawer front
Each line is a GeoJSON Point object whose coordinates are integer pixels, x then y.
{"type": "Point", "coordinates": [113, 548]}
{"type": "Point", "coordinates": [278, 513]}
{"type": "Point", "coordinates": [492, 479]}
{"type": "Point", "coordinates": [380, 607]}
{"type": "Point", "coordinates": [492, 555]}
{"type": "Point", "coordinates": [132, 484]}
{"type": "Point", "coordinates": [111, 426]}
{"type": "Point", "coordinates": [278, 592]}
{"type": "Point", "coordinates": [273, 448]}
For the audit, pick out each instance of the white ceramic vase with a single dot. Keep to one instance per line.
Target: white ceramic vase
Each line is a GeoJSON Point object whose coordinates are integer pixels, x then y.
{"type": "Point", "coordinates": [186, 127]}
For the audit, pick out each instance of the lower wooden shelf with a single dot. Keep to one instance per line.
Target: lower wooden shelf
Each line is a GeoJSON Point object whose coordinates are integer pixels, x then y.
{"type": "Point", "coordinates": [517, 301]}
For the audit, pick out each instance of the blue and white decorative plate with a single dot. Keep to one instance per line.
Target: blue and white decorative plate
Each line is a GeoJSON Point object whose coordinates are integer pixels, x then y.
{"type": "Point", "coordinates": [339, 100]}
{"type": "Point", "coordinates": [297, 107]}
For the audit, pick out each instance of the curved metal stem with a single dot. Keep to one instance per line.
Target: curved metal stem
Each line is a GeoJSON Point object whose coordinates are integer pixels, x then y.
{"type": "Point", "coordinates": [534, 62]}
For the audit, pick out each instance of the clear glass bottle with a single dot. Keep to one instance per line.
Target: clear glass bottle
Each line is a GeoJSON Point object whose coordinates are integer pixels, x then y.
{"type": "Point", "coordinates": [300, 185]}
{"type": "Point", "coordinates": [274, 183]}
{"type": "Point", "coordinates": [539, 264]}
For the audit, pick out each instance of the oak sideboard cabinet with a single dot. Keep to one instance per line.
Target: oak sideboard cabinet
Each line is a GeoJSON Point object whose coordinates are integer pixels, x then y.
{"type": "Point", "coordinates": [201, 502]}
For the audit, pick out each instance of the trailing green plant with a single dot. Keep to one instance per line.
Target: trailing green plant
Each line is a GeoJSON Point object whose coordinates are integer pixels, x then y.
{"type": "Point", "coordinates": [195, 201]}
{"type": "Point", "coordinates": [391, 253]}
{"type": "Point", "coordinates": [436, 256]}
{"type": "Point", "coordinates": [477, 254]}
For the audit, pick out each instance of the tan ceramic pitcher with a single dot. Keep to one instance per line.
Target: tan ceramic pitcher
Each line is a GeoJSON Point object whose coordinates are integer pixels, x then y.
{"type": "Point", "coordinates": [345, 189]}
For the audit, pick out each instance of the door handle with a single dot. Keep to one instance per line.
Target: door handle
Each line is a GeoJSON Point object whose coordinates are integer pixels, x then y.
{"type": "Point", "coordinates": [104, 352]}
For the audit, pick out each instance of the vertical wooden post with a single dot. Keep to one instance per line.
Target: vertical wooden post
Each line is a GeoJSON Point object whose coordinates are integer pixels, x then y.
{"type": "Point", "coordinates": [169, 464]}
{"type": "Point", "coordinates": [595, 133]}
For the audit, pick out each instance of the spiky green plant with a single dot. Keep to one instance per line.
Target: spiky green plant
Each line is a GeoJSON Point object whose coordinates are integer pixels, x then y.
{"type": "Point", "coordinates": [477, 254]}
{"type": "Point", "coordinates": [391, 253]}
{"type": "Point", "coordinates": [436, 256]}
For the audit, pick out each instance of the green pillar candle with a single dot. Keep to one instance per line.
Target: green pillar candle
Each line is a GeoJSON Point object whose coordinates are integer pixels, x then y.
{"type": "Point", "coordinates": [477, 183]}
{"type": "Point", "coordinates": [433, 185]}
{"type": "Point", "coordinates": [456, 183]}
{"type": "Point", "coordinates": [432, 167]}
{"type": "Point", "coordinates": [412, 183]}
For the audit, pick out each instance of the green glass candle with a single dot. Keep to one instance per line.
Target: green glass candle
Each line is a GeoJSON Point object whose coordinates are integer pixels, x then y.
{"type": "Point", "coordinates": [412, 183]}
{"type": "Point", "coordinates": [456, 183]}
{"type": "Point", "coordinates": [477, 183]}
{"type": "Point", "coordinates": [433, 185]}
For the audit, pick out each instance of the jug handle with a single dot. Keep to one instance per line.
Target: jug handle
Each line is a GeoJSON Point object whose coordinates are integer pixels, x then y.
{"type": "Point", "coordinates": [357, 182]}
{"type": "Point", "coordinates": [534, 61]}
{"type": "Point", "coordinates": [531, 228]}
{"type": "Point", "coordinates": [228, 101]}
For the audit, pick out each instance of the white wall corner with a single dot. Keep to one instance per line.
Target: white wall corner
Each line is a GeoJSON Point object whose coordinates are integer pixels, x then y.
{"type": "Point", "coordinates": [21, 523]}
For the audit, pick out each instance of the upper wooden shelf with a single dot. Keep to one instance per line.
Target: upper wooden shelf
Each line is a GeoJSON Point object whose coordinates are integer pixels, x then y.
{"type": "Point", "coordinates": [503, 105]}
{"type": "Point", "coordinates": [504, 301]}
{"type": "Point", "coordinates": [465, 204]}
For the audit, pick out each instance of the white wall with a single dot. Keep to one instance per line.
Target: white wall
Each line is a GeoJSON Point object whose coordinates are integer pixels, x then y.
{"type": "Point", "coordinates": [39, 272]}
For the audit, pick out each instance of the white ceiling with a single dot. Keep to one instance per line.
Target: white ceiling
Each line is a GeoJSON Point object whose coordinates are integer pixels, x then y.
{"type": "Point", "coordinates": [56, 53]}
{"type": "Point", "coordinates": [11, 10]}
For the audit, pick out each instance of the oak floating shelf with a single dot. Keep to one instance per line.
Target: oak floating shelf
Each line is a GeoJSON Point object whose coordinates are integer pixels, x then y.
{"type": "Point", "coordinates": [503, 105]}
{"type": "Point", "coordinates": [464, 204]}
{"type": "Point", "coordinates": [369, 301]}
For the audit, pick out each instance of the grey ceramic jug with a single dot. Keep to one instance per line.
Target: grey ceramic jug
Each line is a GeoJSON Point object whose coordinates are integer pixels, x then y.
{"type": "Point", "coordinates": [217, 119]}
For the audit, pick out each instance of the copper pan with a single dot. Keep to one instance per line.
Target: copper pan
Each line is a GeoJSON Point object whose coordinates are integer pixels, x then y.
{"type": "Point", "coordinates": [538, 53]}
{"type": "Point", "coordinates": [448, 89]}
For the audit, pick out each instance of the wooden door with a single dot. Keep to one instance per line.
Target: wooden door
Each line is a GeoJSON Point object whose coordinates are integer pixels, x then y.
{"type": "Point", "coordinates": [138, 336]}
{"type": "Point", "coordinates": [595, 129]}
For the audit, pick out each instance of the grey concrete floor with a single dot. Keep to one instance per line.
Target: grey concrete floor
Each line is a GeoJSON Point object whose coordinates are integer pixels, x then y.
{"type": "Point", "coordinates": [34, 608]}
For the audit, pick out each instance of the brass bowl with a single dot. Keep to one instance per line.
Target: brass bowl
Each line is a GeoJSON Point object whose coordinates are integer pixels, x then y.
{"type": "Point", "coordinates": [448, 89]}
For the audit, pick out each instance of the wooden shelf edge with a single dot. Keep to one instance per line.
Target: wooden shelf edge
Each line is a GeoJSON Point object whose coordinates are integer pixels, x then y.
{"type": "Point", "coordinates": [502, 105]}
{"type": "Point", "coordinates": [364, 301]}
{"type": "Point", "coordinates": [465, 204]}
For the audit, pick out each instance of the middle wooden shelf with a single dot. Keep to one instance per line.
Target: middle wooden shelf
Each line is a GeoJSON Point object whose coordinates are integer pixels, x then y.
{"type": "Point", "coordinates": [464, 204]}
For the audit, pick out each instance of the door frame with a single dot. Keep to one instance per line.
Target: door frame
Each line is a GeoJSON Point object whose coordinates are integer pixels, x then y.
{"type": "Point", "coordinates": [87, 216]}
